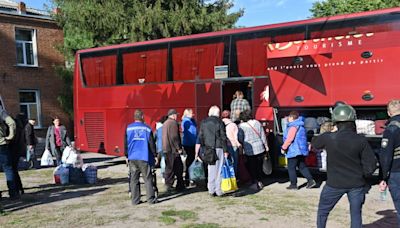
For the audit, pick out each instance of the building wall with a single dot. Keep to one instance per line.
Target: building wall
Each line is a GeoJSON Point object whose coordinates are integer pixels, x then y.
{"type": "Point", "coordinates": [43, 78]}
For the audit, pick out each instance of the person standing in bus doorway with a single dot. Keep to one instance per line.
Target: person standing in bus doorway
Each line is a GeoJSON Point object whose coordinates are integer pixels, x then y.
{"type": "Point", "coordinates": [7, 133]}
{"type": "Point", "coordinates": [213, 140]}
{"type": "Point", "coordinates": [295, 148]}
{"type": "Point", "coordinates": [172, 147]}
{"type": "Point", "coordinates": [57, 139]}
{"type": "Point", "coordinates": [140, 151]}
{"type": "Point", "coordinates": [30, 141]}
{"type": "Point", "coordinates": [189, 130]}
{"type": "Point", "coordinates": [350, 161]}
{"type": "Point", "coordinates": [232, 134]}
{"type": "Point", "coordinates": [389, 155]}
{"type": "Point", "coordinates": [238, 105]}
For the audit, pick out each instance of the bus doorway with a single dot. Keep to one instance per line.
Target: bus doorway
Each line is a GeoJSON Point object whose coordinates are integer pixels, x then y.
{"type": "Point", "coordinates": [229, 87]}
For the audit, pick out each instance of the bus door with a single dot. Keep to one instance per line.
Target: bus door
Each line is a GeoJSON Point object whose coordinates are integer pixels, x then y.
{"type": "Point", "coordinates": [231, 85]}
{"type": "Point", "coordinates": [207, 94]}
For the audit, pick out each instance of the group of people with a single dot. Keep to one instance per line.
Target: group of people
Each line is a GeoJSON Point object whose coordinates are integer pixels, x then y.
{"type": "Point", "coordinates": [18, 139]}
{"type": "Point", "coordinates": [219, 135]}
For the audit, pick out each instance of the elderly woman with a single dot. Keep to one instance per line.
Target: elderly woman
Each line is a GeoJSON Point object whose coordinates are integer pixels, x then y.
{"type": "Point", "coordinates": [252, 137]}
{"type": "Point", "coordinates": [189, 130]}
{"type": "Point", "coordinates": [57, 139]}
{"type": "Point", "coordinates": [232, 134]}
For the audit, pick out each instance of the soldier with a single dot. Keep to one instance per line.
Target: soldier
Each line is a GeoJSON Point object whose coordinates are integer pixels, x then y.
{"type": "Point", "coordinates": [350, 160]}
{"type": "Point", "coordinates": [390, 155]}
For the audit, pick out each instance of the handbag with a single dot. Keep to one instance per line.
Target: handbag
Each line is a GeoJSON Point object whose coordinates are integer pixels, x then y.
{"type": "Point", "coordinates": [267, 165]}
{"type": "Point", "coordinates": [228, 182]}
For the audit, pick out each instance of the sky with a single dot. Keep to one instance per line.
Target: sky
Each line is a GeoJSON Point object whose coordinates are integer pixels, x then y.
{"type": "Point", "coordinates": [257, 12]}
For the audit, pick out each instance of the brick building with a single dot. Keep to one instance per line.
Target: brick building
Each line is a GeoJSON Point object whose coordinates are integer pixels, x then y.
{"type": "Point", "coordinates": [28, 54]}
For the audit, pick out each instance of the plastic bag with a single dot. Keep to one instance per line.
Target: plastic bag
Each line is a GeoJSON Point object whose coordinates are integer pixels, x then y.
{"type": "Point", "coordinates": [196, 171]}
{"type": "Point", "coordinates": [267, 165]}
{"type": "Point", "coordinates": [61, 175]}
{"type": "Point", "coordinates": [228, 182]}
{"type": "Point", "coordinates": [47, 159]}
{"type": "Point", "coordinates": [72, 157]}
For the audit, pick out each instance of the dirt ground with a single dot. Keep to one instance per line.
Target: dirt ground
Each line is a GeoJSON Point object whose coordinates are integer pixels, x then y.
{"type": "Point", "coordinates": [106, 203]}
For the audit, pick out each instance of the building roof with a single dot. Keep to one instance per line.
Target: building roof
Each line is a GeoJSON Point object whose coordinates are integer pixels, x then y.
{"type": "Point", "coordinates": [11, 7]}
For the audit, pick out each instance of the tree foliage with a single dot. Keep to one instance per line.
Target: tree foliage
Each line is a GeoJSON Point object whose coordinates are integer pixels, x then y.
{"type": "Point", "coordinates": [335, 7]}
{"type": "Point", "coordinates": [94, 23]}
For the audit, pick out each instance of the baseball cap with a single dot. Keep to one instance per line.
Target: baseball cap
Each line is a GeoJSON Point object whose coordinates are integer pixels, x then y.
{"type": "Point", "coordinates": [172, 112]}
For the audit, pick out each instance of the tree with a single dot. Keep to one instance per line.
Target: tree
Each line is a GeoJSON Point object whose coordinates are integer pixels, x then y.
{"type": "Point", "coordinates": [94, 23]}
{"type": "Point", "coordinates": [335, 7]}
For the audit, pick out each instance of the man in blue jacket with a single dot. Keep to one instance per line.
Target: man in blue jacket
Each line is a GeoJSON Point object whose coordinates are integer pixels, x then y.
{"type": "Point", "coordinates": [140, 150]}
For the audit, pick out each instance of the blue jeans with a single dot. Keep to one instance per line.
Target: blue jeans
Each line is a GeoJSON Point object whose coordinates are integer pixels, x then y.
{"type": "Point", "coordinates": [5, 163]}
{"type": "Point", "coordinates": [329, 198]}
{"type": "Point", "coordinates": [394, 188]}
{"type": "Point", "coordinates": [234, 153]}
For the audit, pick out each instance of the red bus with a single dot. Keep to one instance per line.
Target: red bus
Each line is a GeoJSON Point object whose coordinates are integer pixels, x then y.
{"type": "Point", "coordinates": [303, 65]}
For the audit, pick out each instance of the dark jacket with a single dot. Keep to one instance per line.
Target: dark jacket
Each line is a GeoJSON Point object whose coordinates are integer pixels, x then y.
{"type": "Point", "coordinates": [30, 138]}
{"type": "Point", "coordinates": [51, 139]}
{"type": "Point", "coordinates": [389, 155]}
{"type": "Point", "coordinates": [350, 159]}
{"type": "Point", "coordinates": [212, 133]}
{"type": "Point", "coordinates": [171, 138]}
{"type": "Point", "coordinates": [17, 145]}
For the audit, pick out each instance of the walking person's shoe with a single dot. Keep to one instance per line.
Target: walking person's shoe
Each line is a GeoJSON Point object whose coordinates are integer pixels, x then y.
{"type": "Point", "coordinates": [154, 201]}
{"type": "Point", "coordinates": [260, 185]}
{"type": "Point", "coordinates": [311, 184]}
{"type": "Point", "coordinates": [292, 187]}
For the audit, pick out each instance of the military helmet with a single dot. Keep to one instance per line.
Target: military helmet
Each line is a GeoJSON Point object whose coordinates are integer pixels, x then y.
{"type": "Point", "coordinates": [343, 113]}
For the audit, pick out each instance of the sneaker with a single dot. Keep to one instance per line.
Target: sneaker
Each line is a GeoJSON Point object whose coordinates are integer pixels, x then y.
{"type": "Point", "coordinates": [292, 187]}
{"type": "Point", "coordinates": [311, 184]}
{"type": "Point", "coordinates": [260, 185]}
{"type": "Point", "coordinates": [212, 194]}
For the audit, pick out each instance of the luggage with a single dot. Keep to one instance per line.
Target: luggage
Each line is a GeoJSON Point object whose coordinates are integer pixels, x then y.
{"type": "Point", "coordinates": [228, 182]}
{"type": "Point", "coordinates": [196, 171]}
{"type": "Point", "coordinates": [244, 175]}
{"type": "Point", "coordinates": [76, 175]}
{"type": "Point", "coordinates": [365, 127]}
{"type": "Point", "coordinates": [90, 172]}
{"type": "Point", "coordinates": [311, 124]}
{"type": "Point", "coordinates": [380, 126]}
{"type": "Point", "coordinates": [47, 159]}
{"type": "Point", "coordinates": [61, 175]}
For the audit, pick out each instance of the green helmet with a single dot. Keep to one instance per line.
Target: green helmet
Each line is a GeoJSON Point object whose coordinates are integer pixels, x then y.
{"type": "Point", "coordinates": [343, 113]}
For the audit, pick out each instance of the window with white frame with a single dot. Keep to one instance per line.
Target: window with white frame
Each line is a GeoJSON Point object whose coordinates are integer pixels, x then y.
{"type": "Point", "coordinates": [29, 103]}
{"type": "Point", "coordinates": [26, 47]}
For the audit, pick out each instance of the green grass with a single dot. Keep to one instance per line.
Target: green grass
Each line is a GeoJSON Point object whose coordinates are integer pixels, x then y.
{"type": "Point", "coordinates": [202, 225]}
{"type": "Point", "coordinates": [167, 220]}
{"type": "Point", "coordinates": [264, 219]}
{"type": "Point", "coordinates": [183, 214]}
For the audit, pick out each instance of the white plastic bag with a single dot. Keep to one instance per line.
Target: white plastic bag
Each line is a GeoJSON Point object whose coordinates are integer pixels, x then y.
{"type": "Point", "coordinates": [72, 157]}
{"type": "Point", "coordinates": [47, 159]}
{"type": "Point", "coordinates": [65, 154]}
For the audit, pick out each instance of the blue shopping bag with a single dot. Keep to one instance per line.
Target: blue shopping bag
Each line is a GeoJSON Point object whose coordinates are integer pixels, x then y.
{"type": "Point", "coordinates": [228, 183]}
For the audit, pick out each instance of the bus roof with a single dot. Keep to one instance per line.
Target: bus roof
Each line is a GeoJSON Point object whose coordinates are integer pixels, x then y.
{"type": "Point", "coordinates": [245, 30]}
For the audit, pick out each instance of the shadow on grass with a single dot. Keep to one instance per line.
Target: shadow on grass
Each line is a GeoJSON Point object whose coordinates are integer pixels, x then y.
{"type": "Point", "coordinates": [50, 193]}
{"type": "Point", "coordinates": [389, 220]}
